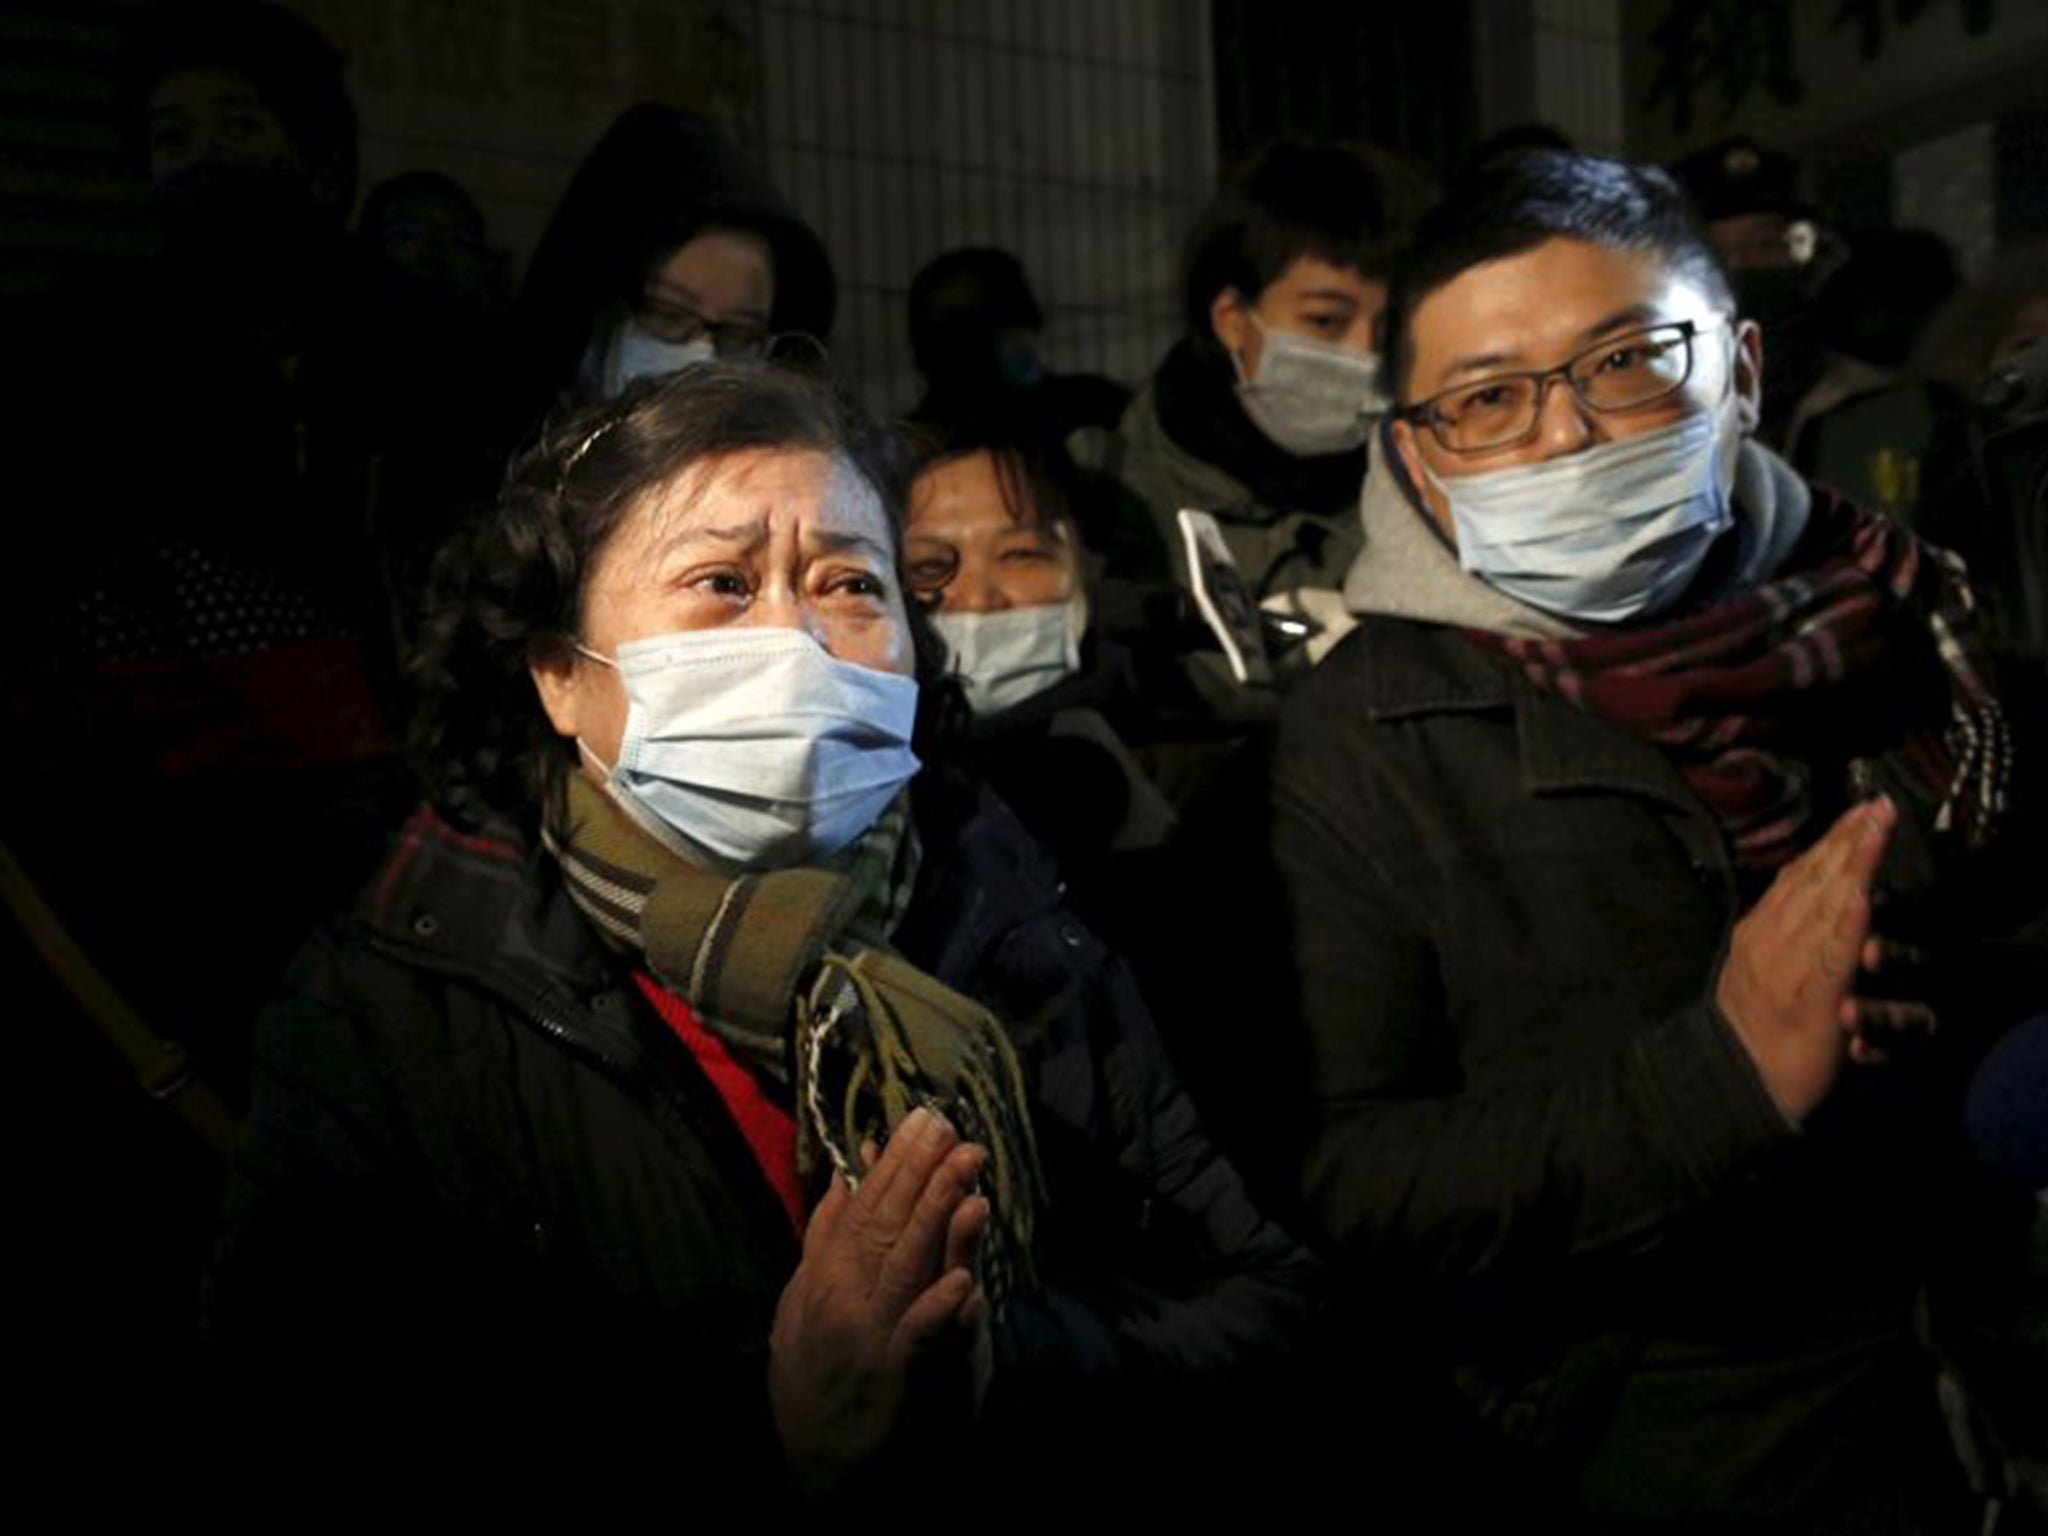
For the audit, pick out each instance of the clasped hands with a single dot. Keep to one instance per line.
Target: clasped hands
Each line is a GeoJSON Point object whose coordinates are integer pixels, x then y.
{"type": "Point", "coordinates": [884, 1325]}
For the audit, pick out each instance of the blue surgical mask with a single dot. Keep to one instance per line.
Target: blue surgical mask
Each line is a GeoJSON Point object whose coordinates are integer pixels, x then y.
{"type": "Point", "coordinates": [1013, 654]}
{"type": "Point", "coordinates": [757, 748]}
{"type": "Point", "coordinates": [637, 353]}
{"type": "Point", "coordinates": [1611, 533]}
{"type": "Point", "coordinates": [1310, 397]}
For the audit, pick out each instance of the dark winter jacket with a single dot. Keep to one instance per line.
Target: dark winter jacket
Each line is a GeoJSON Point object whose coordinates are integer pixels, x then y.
{"type": "Point", "coordinates": [1290, 523]}
{"type": "Point", "coordinates": [1525, 1110]}
{"type": "Point", "coordinates": [481, 1169]}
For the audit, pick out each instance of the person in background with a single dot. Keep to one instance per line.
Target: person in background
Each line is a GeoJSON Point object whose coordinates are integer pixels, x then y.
{"type": "Point", "coordinates": [199, 712]}
{"type": "Point", "coordinates": [669, 248]}
{"type": "Point", "coordinates": [1987, 324]}
{"type": "Point", "coordinates": [1579, 836]}
{"type": "Point", "coordinates": [976, 330]}
{"type": "Point", "coordinates": [1768, 240]}
{"type": "Point", "coordinates": [1891, 441]}
{"type": "Point", "coordinates": [426, 227]}
{"type": "Point", "coordinates": [1261, 413]}
{"type": "Point", "coordinates": [1987, 344]}
{"type": "Point", "coordinates": [995, 558]}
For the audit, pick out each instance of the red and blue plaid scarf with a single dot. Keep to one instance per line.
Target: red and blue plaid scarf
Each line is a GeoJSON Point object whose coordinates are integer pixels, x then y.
{"type": "Point", "coordinates": [1864, 645]}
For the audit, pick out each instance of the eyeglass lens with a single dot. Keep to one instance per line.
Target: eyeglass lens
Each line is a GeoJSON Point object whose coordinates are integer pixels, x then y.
{"type": "Point", "coordinates": [1626, 373]}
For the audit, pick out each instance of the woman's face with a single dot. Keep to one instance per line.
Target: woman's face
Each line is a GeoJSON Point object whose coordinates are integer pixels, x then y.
{"type": "Point", "coordinates": [721, 284]}
{"type": "Point", "coordinates": [771, 538]}
{"type": "Point", "coordinates": [969, 551]}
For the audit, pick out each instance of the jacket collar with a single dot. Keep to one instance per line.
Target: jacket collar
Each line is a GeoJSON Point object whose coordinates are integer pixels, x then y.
{"type": "Point", "coordinates": [490, 905]}
{"type": "Point", "coordinates": [1411, 670]}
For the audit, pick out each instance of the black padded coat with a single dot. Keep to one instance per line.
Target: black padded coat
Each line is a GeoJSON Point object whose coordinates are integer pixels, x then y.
{"type": "Point", "coordinates": [481, 1171]}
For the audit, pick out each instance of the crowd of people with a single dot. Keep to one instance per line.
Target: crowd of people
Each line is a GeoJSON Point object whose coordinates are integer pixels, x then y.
{"type": "Point", "coordinates": [1437, 907]}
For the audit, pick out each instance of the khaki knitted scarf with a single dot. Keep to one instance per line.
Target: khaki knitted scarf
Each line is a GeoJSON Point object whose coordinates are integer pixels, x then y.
{"type": "Point", "coordinates": [791, 969]}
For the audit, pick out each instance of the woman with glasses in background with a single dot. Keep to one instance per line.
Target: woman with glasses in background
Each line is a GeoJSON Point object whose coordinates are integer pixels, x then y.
{"type": "Point", "coordinates": [670, 247]}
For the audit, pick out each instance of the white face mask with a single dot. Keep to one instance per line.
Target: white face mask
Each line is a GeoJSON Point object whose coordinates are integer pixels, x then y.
{"type": "Point", "coordinates": [637, 353]}
{"type": "Point", "coordinates": [1013, 654]}
{"type": "Point", "coordinates": [1612, 533]}
{"type": "Point", "coordinates": [757, 748]}
{"type": "Point", "coordinates": [1310, 397]}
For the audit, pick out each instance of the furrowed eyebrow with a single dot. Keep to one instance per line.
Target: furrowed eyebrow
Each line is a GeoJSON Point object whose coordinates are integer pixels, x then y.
{"type": "Point", "coordinates": [837, 542]}
{"type": "Point", "coordinates": [744, 535]}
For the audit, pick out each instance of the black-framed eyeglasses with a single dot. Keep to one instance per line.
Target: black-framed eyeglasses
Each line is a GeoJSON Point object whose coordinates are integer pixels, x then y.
{"type": "Point", "coordinates": [674, 321]}
{"type": "Point", "coordinates": [1630, 372]}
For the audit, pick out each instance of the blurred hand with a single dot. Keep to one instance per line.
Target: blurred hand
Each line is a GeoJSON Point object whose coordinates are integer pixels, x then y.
{"type": "Point", "coordinates": [886, 1287]}
{"type": "Point", "coordinates": [1896, 971]}
{"type": "Point", "coordinates": [1787, 985]}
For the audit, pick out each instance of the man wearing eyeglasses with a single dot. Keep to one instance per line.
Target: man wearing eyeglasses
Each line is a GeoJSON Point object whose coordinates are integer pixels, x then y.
{"type": "Point", "coordinates": [1579, 836]}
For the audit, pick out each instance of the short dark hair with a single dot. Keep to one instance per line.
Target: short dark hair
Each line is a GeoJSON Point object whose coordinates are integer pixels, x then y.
{"type": "Point", "coordinates": [958, 301]}
{"type": "Point", "coordinates": [511, 584]}
{"type": "Point", "coordinates": [1516, 204]}
{"type": "Point", "coordinates": [1349, 205]}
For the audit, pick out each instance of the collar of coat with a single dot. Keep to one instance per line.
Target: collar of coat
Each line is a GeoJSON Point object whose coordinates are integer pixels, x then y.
{"type": "Point", "coordinates": [1406, 670]}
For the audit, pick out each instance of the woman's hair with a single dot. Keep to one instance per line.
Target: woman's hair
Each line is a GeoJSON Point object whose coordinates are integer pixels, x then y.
{"type": "Point", "coordinates": [1514, 205]}
{"type": "Point", "coordinates": [1349, 205]}
{"type": "Point", "coordinates": [1035, 475]}
{"type": "Point", "coordinates": [511, 584]}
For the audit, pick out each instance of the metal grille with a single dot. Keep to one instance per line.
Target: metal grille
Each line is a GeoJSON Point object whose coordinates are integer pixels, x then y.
{"type": "Point", "coordinates": [1074, 133]}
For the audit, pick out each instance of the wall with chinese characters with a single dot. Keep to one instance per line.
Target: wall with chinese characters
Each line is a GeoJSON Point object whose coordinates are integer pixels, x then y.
{"type": "Point", "coordinates": [1918, 111]}
{"type": "Point", "coordinates": [506, 95]}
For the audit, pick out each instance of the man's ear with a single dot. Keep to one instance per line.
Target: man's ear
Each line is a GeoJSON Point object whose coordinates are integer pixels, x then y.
{"type": "Point", "coordinates": [1749, 373]}
{"type": "Point", "coordinates": [1230, 317]}
{"type": "Point", "coordinates": [1410, 453]}
{"type": "Point", "coordinates": [555, 677]}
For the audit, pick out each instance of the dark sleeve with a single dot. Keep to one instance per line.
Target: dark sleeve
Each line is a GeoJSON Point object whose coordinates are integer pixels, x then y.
{"type": "Point", "coordinates": [1198, 1285]}
{"type": "Point", "coordinates": [389, 1266]}
{"type": "Point", "coordinates": [1167, 1347]}
{"type": "Point", "coordinates": [1409, 1168]}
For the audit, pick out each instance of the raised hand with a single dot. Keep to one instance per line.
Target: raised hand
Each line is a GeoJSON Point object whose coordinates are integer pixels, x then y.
{"type": "Point", "coordinates": [886, 1282]}
{"type": "Point", "coordinates": [1787, 985]}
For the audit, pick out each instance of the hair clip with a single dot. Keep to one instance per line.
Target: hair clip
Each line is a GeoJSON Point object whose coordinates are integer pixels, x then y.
{"type": "Point", "coordinates": [576, 454]}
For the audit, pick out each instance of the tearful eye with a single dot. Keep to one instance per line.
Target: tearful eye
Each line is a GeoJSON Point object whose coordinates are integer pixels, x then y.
{"type": "Point", "coordinates": [723, 584]}
{"type": "Point", "coordinates": [862, 584]}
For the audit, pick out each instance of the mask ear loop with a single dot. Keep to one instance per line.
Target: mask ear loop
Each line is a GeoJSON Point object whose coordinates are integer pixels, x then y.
{"type": "Point", "coordinates": [1244, 379]}
{"type": "Point", "coordinates": [604, 661]}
